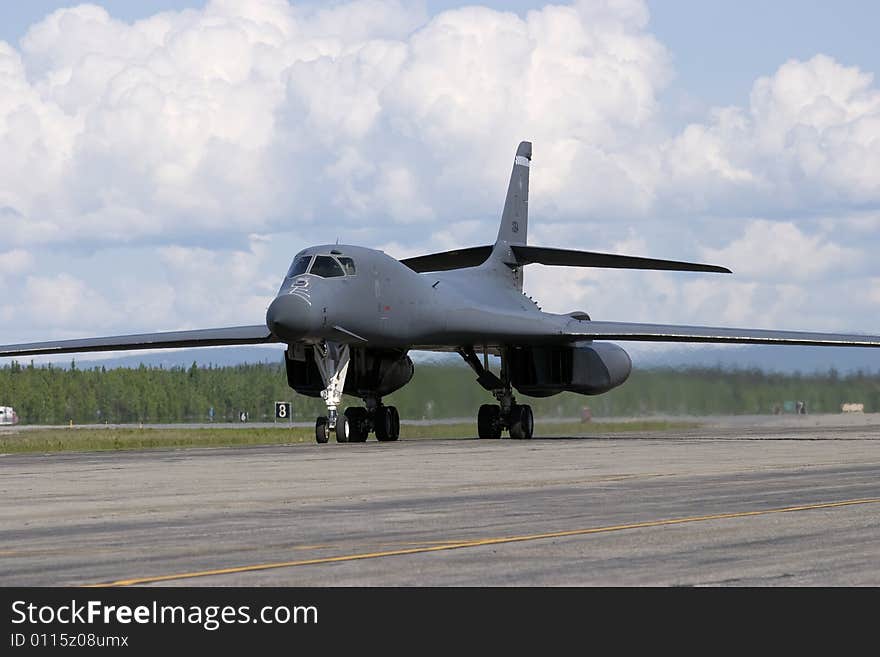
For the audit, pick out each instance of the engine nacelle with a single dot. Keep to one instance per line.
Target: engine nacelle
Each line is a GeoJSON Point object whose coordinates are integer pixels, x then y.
{"type": "Point", "coordinates": [370, 371]}
{"type": "Point", "coordinates": [587, 368]}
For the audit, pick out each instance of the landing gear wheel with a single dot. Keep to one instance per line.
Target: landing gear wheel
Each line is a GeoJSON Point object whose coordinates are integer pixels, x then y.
{"type": "Point", "coordinates": [395, 423]}
{"type": "Point", "coordinates": [343, 429]}
{"type": "Point", "coordinates": [489, 421]}
{"type": "Point", "coordinates": [386, 422]}
{"type": "Point", "coordinates": [321, 433]}
{"type": "Point", "coordinates": [522, 422]}
{"type": "Point", "coordinates": [356, 419]}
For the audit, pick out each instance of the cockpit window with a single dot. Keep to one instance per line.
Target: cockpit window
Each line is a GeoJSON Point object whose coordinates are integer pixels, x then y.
{"type": "Point", "coordinates": [347, 265]}
{"type": "Point", "coordinates": [299, 266]}
{"type": "Point", "coordinates": [326, 267]}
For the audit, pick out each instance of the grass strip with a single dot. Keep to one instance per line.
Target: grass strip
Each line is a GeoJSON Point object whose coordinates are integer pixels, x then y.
{"type": "Point", "coordinates": [73, 439]}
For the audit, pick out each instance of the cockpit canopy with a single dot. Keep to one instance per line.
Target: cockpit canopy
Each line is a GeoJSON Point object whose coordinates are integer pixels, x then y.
{"type": "Point", "coordinates": [325, 266]}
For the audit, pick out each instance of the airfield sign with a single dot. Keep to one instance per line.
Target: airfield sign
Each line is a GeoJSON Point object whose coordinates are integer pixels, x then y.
{"type": "Point", "coordinates": [282, 410]}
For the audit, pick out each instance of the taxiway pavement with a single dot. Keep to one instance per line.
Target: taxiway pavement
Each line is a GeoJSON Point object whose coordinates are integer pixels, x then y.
{"type": "Point", "coordinates": [748, 503]}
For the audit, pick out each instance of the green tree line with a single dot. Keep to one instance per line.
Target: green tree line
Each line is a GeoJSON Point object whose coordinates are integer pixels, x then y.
{"type": "Point", "coordinates": [54, 395]}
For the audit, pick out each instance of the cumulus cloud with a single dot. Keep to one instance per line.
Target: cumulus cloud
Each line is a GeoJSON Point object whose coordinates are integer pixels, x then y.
{"type": "Point", "coordinates": [15, 262]}
{"type": "Point", "coordinates": [781, 251]}
{"type": "Point", "coordinates": [244, 115]}
{"type": "Point", "coordinates": [252, 116]}
{"type": "Point", "coordinates": [217, 288]}
{"type": "Point", "coordinates": [809, 139]}
{"type": "Point", "coordinates": [66, 301]}
{"type": "Point", "coordinates": [187, 133]}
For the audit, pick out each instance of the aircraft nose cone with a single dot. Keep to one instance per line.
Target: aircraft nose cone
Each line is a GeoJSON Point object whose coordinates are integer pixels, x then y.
{"type": "Point", "coordinates": [289, 317]}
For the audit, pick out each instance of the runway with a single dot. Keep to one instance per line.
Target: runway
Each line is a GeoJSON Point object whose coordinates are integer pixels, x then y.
{"type": "Point", "coordinates": [755, 503]}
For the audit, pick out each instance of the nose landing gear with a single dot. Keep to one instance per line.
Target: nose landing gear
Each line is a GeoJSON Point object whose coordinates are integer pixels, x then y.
{"type": "Point", "coordinates": [357, 422]}
{"type": "Point", "coordinates": [322, 430]}
{"type": "Point", "coordinates": [352, 426]}
{"type": "Point", "coordinates": [332, 361]}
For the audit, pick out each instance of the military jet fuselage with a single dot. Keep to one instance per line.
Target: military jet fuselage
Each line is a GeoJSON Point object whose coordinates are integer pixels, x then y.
{"type": "Point", "coordinates": [359, 292]}
{"type": "Point", "coordinates": [381, 308]}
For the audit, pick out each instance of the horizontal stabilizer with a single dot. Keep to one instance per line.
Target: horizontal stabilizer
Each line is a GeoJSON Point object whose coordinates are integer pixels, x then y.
{"type": "Point", "coordinates": [675, 333]}
{"type": "Point", "coordinates": [446, 260]}
{"type": "Point", "coordinates": [543, 255]}
{"type": "Point", "coordinates": [214, 337]}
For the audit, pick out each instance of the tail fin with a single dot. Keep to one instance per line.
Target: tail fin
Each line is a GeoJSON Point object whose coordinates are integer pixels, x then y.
{"type": "Point", "coordinates": [510, 253]}
{"type": "Point", "coordinates": [515, 216]}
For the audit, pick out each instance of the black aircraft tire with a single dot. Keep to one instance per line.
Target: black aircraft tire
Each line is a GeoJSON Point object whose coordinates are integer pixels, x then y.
{"type": "Point", "coordinates": [343, 429]}
{"type": "Point", "coordinates": [357, 424]}
{"type": "Point", "coordinates": [531, 422]}
{"type": "Point", "coordinates": [383, 422]}
{"type": "Point", "coordinates": [321, 433]}
{"type": "Point", "coordinates": [396, 423]}
{"type": "Point", "coordinates": [488, 424]}
{"type": "Point", "coordinates": [522, 422]}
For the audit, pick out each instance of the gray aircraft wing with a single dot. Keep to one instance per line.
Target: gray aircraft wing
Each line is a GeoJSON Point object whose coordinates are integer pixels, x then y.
{"type": "Point", "coordinates": [590, 330]}
{"type": "Point", "coordinates": [544, 255]}
{"type": "Point", "coordinates": [446, 260]}
{"type": "Point", "coordinates": [213, 337]}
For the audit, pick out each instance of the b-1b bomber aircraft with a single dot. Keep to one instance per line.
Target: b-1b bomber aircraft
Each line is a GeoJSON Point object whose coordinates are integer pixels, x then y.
{"type": "Point", "coordinates": [349, 315]}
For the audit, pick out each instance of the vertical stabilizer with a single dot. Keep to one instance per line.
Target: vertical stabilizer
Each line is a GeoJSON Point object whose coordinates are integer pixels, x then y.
{"type": "Point", "coordinates": [515, 216]}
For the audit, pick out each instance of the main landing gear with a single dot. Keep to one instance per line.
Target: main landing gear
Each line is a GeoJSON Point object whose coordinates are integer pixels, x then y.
{"type": "Point", "coordinates": [493, 420]}
{"type": "Point", "coordinates": [357, 422]}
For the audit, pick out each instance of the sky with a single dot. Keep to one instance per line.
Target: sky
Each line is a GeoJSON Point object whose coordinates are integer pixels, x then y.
{"type": "Point", "coordinates": [164, 160]}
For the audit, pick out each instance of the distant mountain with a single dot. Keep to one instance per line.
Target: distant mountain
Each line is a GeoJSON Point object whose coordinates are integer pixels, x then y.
{"type": "Point", "coordinates": [217, 356]}
{"type": "Point", "coordinates": [768, 358]}
{"type": "Point", "coordinates": [783, 359]}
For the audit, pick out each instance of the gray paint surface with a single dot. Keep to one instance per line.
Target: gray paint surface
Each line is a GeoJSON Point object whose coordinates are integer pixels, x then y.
{"type": "Point", "coordinates": [84, 518]}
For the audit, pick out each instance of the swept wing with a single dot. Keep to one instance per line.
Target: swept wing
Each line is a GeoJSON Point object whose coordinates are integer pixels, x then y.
{"type": "Point", "coordinates": [590, 330]}
{"type": "Point", "coordinates": [257, 334]}
{"type": "Point", "coordinates": [543, 255]}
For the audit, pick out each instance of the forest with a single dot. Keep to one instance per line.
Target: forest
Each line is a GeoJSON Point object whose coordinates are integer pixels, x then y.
{"type": "Point", "coordinates": [56, 395]}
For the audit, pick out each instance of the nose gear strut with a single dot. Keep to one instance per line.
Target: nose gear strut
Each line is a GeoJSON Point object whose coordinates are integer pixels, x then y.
{"type": "Point", "coordinates": [332, 360]}
{"type": "Point", "coordinates": [353, 426]}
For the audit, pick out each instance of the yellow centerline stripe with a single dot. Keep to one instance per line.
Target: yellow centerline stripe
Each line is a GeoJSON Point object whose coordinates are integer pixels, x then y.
{"type": "Point", "coordinates": [440, 546]}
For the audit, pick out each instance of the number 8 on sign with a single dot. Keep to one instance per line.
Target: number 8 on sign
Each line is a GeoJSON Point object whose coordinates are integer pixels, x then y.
{"type": "Point", "coordinates": [282, 410]}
